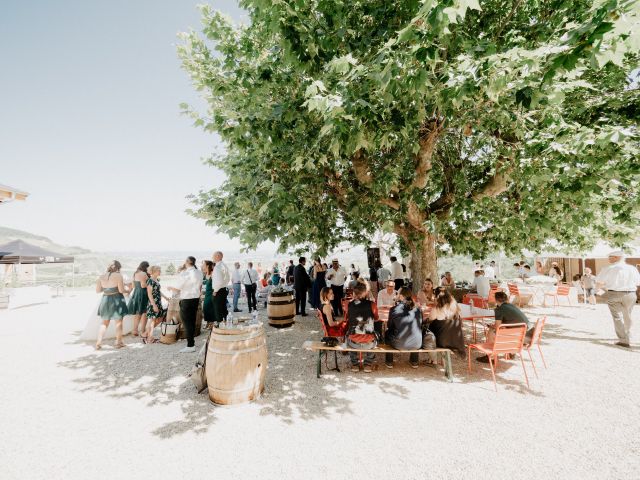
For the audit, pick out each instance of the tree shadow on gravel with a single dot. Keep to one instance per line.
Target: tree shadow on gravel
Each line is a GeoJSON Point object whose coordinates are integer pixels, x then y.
{"type": "Point", "coordinates": [157, 375]}
{"type": "Point", "coordinates": [558, 332]}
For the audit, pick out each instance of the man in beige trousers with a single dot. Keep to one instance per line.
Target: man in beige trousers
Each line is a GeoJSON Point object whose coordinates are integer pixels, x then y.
{"type": "Point", "coordinates": [621, 280]}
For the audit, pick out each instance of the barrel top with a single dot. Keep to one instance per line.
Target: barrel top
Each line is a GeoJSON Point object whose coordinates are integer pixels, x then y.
{"type": "Point", "coordinates": [238, 330]}
{"type": "Point", "coordinates": [281, 294]}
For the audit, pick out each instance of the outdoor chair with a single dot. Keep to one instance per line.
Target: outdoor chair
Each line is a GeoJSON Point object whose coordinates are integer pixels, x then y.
{"type": "Point", "coordinates": [326, 334]}
{"type": "Point", "coordinates": [476, 300]}
{"type": "Point", "coordinates": [491, 300]}
{"type": "Point", "coordinates": [522, 298]}
{"type": "Point", "coordinates": [562, 290]}
{"type": "Point", "coordinates": [509, 340]}
{"type": "Point", "coordinates": [535, 340]}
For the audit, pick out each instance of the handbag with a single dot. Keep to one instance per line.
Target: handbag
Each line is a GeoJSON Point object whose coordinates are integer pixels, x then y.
{"type": "Point", "coordinates": [198, 373]}
{"type": "Point", "coordinates": [169, 333]}
{"type": "Point", "coordinates": [330, 341]}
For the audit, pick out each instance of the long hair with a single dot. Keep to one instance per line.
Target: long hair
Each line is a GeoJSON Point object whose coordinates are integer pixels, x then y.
{"type": "Point", "coordinates": [443, 297]}
{"type": "Point", "coordinates": [407, 299]}
{"type": "Point", "coordinates": [324, 294]}
{"type": "Point", "coordinates": [208, 264]}
{"type": "Point", "coordinates": [114, 267]}
{"type": "Point", "coordinates": [143, 267]}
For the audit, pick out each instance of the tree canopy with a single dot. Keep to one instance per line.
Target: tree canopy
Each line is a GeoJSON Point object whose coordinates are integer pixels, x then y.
{"type": "Point", "coordinates": [469, 124]}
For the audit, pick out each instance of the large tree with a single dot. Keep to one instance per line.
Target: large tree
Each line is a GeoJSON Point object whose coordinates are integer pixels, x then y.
{"type": "Point", "coordinates": [458, 123]}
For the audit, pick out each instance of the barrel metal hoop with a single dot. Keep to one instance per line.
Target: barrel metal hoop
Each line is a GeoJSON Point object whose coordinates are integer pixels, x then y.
{"type": "Point", "coordinates": [235, 352]}
{"type": "Point", "coordinates": [286, 317]}
{"type": "Point", "coordinates": [282, 302]}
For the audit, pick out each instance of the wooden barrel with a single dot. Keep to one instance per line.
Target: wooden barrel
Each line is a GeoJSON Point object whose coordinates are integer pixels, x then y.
{"type": "Point", "coordinates": [236, 364]}
{"type": "Point", "coordinates": [173, 315]}
{"type": "Point", "coordinates": [281, 309]}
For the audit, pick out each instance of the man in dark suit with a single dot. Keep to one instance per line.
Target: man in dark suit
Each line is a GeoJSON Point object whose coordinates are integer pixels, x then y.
{"type": "Point", "coordinates": [290, 269]}
{"type": "Point", "coordinates": [301, 283]}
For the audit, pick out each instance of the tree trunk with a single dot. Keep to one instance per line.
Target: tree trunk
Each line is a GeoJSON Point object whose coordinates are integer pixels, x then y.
{"type": "Point", "coordinates": [424, 262]}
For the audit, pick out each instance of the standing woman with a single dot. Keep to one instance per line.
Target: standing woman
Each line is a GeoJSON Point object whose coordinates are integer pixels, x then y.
{"type": "Point", "coordinates": [138, 300]}
{"type": "Point", "coordinates": [112, 306]}
{"type": "Point", "coordinates": [319, 282]}
{"type": "Point", "coordinates": [275, 277]}
{"type": "Point", "coordinates": [207, 304]}
{"type": "Point", "coordinates": [155, 312]}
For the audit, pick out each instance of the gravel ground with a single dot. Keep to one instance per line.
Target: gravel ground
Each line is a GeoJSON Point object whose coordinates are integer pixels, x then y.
{"type": "Point", "coordinates": [69, 412]}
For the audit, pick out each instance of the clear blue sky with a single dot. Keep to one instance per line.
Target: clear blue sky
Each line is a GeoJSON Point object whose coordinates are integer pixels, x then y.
{"type": "Point", "coordinates": [90, 124]}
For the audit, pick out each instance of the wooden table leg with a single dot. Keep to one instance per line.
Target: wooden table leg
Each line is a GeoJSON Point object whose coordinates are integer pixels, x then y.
{"type": "Point", "coordinates": [448, 369]}
{"type": "Point", "coordinates": [319, 371]}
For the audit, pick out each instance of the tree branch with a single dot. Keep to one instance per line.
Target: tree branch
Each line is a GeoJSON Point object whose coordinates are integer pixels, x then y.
{"type": "Point", "coordinates": [424, 155]}
{"type": "Point", "coordinates": [361, 168]}
{"type": "Point", "coordinates": [497, 185]}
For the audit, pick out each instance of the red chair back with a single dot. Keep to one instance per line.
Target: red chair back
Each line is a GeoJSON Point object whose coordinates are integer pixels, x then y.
{"type": "Point", "coordinates": [321, 318]}
{"type": "Point", "coordinates": [509, 338]}
{"type": "Point", "coordinates": [492, 294]}
{"type": "Point", "coordinates": [563, 290]}
{"type": "Point", "coordinates": [513, 289]}
{"type": "Point", "coordinates": [537, 331]}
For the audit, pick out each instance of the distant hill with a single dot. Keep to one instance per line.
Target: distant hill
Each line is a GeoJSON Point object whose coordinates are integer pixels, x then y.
{"type": "Point", "coordinates": [9, 235]}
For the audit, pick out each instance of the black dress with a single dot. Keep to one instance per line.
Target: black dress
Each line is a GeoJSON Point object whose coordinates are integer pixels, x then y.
{"type": "Point", "coordinates": [318, 284]}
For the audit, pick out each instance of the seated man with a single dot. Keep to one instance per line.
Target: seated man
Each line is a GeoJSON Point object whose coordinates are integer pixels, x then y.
{"type": "Point", "coordinates": [481, 284]}
{"type": "Point", "coordinates": [387, 297]}
{"type": "Point", "coordinates": [506, 313]}
{"type": "Point", "coordinates": [526, 272]}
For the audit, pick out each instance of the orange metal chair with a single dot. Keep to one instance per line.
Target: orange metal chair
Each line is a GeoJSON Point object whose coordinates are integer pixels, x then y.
{"type": "Point", "coordinates": [562, 291]}
{"type": "Point", "coordinates": [535, 340]}
{"type": "Point", "coordinates": [491, 300]}
{"type": "Point", "coordinates": [514, 291]}
{"type": "Point", "coordinates": [475, 300]}
{"type": "Point", "coordinates": [509, 339]}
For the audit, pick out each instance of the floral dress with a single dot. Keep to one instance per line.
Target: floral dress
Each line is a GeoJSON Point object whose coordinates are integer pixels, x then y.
{"type": "Point", "coordinates": [157, 298]}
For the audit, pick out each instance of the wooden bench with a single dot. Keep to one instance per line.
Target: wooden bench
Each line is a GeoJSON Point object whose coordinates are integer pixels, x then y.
{"type": "Point", "coordinates": [323, 349]}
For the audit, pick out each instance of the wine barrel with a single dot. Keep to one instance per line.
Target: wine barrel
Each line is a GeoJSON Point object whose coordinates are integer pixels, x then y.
{"type": "Point", "coordinates": [236, 364]}
{"type": "Point", "coordinates": [173, 316]}
{"type": "Point", "coordinates": [281, 309]}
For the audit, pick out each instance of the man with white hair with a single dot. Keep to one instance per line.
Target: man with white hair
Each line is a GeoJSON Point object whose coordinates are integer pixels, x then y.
{"type": "Point", "coordinates": [621, 280]}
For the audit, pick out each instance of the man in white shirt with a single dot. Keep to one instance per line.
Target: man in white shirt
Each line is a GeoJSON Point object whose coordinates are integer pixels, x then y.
{"type": "Point", "coordinates": [397, 274]}
{"type": "Point", "coordinates": [481, 284]}
{"type": "Point", "coordinates": [621, 281]}
{"type": "Point", "coordinates": [490, 270]}
{"type": "Point", "coordinates": [220, 281]}
{"type": "Point", "coordinates": [336, 276]}
{"type": "Point", "coordinates": [250, 280]}
{"type": "Point", "coordinates": [387, 297]}
{"type": "Point", "coordinates": [383, 277]}
{"type": "Point", "coordinates": [188, 289]}
{"type": "Point", "coordinates": [236, 275]}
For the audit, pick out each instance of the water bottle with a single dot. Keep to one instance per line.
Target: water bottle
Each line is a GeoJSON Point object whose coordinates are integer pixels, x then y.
{"type": "Point", "coordinates": [254, 317]}
{"type": "Point", "coordinates": [229, 320]}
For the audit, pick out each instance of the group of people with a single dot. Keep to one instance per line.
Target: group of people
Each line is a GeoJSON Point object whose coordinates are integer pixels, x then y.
{"type": "Point", "coordinates": [145, 298]}
{"type": "Point", "coordinates": [326, 283]}
{"type": "Point", "coordinates": [407, 329]}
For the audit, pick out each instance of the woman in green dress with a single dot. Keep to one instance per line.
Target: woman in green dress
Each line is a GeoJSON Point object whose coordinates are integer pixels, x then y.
{"type": "Point", "coordinates": [155, 311]}
{"type": "Point", "coordinates": [207, 303]}
{"type": "Point", "coordinates": [139, 300]}
{"type": "Point", "coordinates": [112, 306]}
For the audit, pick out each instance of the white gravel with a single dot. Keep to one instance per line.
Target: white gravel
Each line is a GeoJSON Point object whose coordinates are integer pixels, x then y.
{"type": "Point", "coordinates": [69, 412]}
